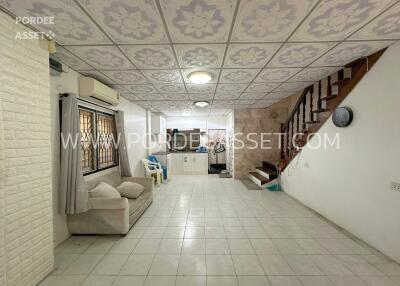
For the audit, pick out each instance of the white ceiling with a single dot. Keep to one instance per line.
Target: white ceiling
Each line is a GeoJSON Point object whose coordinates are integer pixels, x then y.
{"type": "Point", "coordinates": [258, 51]}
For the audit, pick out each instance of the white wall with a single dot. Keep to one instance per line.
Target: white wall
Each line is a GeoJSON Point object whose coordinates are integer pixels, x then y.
{"type": "Point", "coordinates": [66, 82]}
{"type": "Point", "coordinates": [351, 186]}
{"type": "Point", "coordinates": [202, 122]}
{"type": "Point", "coordinates": [26, 234]}
{"type": "Point", "coordinates": [135, 123]}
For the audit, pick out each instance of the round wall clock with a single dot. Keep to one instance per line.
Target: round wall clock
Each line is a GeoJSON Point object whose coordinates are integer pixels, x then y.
{"type": "Point", "coordinates": [342, 116]}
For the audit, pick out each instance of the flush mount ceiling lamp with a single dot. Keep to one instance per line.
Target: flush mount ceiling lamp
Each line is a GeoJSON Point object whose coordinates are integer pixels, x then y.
{"type": "Point", "coordinates": [200, 77]}
{"type": "Point", "coordinates": [201, 104]}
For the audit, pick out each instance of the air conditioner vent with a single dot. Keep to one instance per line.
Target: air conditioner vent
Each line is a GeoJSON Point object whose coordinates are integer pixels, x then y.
{"type": "Point", "coordinates": [89, 87]}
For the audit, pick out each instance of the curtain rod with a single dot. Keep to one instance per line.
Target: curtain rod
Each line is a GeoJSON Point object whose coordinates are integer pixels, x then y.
{"type": "Point", "coordinates": [87, 101]}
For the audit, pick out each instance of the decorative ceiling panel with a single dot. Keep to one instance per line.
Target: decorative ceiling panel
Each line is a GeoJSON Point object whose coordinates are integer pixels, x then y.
{"type": "Point", "coordinates": [276, 74]}
{"type": "Point", "coordinates": [258, 51]}
{"type": "Point", "coordinates": [233, 87]}
{"type": "Point", "coordinates": [201, 96]}
{"type": "Point", "coordinates": [252, 95]}
{"type": "Point", "coordinates": [151, 56]}
{"type": "Point", "coordinates": [269, 20]}
{"type": "Point", "coordinates": [176, 96]}
{"type": "Point", "coordinates": [71, 25]}
{"type": "Point", "coordinates": [249, 55]}
{"type": "Point", "coordinates": [348, 52]}
{"type": "Point", "coordinates": [227, 96]}
{"type": "Point", "coordinates": [299, 55]}
{"type": "Point", "coordinates": [128, 22]}
{"type": "Point", "coordinates": [385, 27]}
{"type": "Point", "coordinates": [102, 57]}
{"type": "Point", "coordinates": [245, 102]}
{"type": "Point", "coordinates": [201, 88]}
{"type": "Point", "coordinates": [99, 76]}
{"type": "Point", "coordinates": [163, 76]}
{"type": "Point", "coordinates": [293, 86]}
{"type": "Point", "coordinates": [223, 103]}
{"type": "Point", "coordinates": [170, 88]}
{"type": "Point", "coordinates": [70, 60]}
{"type": "Point", "coordinates": [120, 88]}
{"type": "Point", "coordinates": [336, 20]}
{"type": "Point", "coordinates": [150, 97]}
{"type": "Point", "coordinates": [198, 21]}
{"type": "Point", "coordinates": [200, 56]}
{"type": "Point", "coordinates": [126, 77]}
{"type": "Point", "coordinates": [262, 87]}
{"type": "Point", "coordinates": [278, 95]}
{"type": "Point", "coordinates": [141, 88]}
{"type": "Point", "coordinates": [314, 74]}
{"type": "Point", "coordinates": [130, 96]}
{"type": "Point", "coordinates": [238, 75]}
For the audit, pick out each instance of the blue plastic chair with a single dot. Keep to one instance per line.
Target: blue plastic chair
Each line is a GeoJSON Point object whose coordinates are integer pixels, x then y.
{"type": "Point", "coordinates": [153, 158]}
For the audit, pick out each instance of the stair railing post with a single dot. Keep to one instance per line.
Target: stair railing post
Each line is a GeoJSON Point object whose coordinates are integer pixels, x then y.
{"type": "Point", "coordinates": [319, 95]}
{"type": "Point", "coordinates": [311, 103]}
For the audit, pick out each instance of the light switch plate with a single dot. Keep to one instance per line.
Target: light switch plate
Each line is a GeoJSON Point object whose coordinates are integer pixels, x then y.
{"type": "Point", "coordinates": [394, 186]}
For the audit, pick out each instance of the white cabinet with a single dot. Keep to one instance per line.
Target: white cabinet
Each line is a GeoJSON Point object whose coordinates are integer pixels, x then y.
{"type": "Point", "coordinates": [189, 163]}
{"type": "Point", "coordinates": [158, 124]}
{"type": "Point", "coordinates": [176, 163]}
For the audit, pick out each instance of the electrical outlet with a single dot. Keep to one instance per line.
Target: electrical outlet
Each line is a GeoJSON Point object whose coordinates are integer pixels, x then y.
{"type": "Point", "coordinates": [394, 186]}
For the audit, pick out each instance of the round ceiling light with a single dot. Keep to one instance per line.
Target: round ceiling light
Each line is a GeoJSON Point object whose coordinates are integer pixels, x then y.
{"type": "Point", "coordinates": [199, 77]}
{"type": "Point", "coordinates": [201, 103]}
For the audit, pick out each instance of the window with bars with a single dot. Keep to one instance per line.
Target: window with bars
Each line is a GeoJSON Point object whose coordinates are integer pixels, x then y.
{"type": "Point", "coordinates": [98, 137]}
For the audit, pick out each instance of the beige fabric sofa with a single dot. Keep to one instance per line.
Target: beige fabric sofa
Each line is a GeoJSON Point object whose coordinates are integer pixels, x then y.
{"type": "Point", "coordinates": [112, 216]}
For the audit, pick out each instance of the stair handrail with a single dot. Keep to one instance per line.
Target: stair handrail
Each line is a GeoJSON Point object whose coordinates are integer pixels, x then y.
{"type": "Point", "coordinates": [298, 103]}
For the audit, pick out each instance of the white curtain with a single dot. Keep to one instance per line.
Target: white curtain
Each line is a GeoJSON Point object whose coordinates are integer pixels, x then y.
{"type": "Point", "coordinates": [124, 166]}
{"type": "Point", "coordinates": [73, 191]}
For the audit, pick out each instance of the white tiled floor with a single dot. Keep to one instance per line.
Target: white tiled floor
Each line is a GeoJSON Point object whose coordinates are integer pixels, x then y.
{"type": "Point", "coordinates": [202, 230]}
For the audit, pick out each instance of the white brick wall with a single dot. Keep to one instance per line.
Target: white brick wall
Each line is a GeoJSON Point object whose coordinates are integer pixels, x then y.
{"type": "Point", "coordinates": [26, 231]}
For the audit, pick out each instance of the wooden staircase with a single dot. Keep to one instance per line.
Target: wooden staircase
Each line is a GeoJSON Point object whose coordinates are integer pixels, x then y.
{"type": "Point", "coordinates": [264, 174]}
{"type": "Point", "coordinates": [312, 109]}
{"type": "Point", "coordinates": [316, 104]}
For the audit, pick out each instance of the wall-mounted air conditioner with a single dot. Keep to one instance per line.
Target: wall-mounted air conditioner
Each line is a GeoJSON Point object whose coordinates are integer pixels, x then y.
{"type": "Point", "coordinates": [91, 88]}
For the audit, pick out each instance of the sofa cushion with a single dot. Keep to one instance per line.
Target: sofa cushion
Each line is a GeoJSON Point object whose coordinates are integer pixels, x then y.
{"type": "Point", "coordinates": [130, 190]}
{"type": "Point", "coordinates": [113, 179]}
{"type": "Point", "coordinates": [104, 190]}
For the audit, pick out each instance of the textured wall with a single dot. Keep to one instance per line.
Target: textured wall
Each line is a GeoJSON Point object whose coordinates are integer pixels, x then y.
{"type": "Point", "coordinates": [258, 121]}
{"type": "Point", "coordinates": [26, 234]}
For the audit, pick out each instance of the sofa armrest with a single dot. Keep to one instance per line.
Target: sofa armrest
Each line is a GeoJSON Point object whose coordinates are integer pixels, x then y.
{"type": "Point", "coordinates": [108, 203]}
{"type": "Point", "coordinates": [148, 183]}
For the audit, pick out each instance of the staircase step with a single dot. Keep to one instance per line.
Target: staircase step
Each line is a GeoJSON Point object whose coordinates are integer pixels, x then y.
{"type": "Point", "coordinates": [269, 165]}
{"type": "Point", "coordinates": [267, 173]}
{"type": "Point", "coordinates": [320, 110]}
{"type": "Point", "coordinates": [258, 179]}
{"type": "Point", "coordinates": [329, 97]}
{"type": "Point", "coordinates": [341, 81]}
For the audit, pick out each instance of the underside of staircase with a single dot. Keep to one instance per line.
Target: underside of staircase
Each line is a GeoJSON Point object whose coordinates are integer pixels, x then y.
{"type": "Point", "coordinates": [313, 108]}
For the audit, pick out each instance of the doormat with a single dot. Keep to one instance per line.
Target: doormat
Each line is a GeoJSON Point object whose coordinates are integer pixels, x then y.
{"type": "Point", "coordinates": [250, 185]}
{"type": "Point", "coordinates": [224, 175]}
